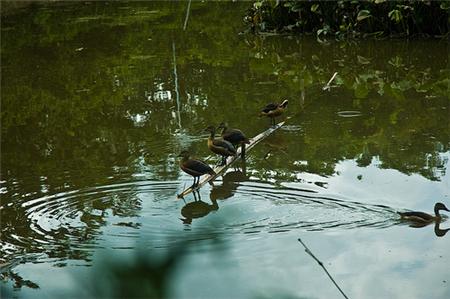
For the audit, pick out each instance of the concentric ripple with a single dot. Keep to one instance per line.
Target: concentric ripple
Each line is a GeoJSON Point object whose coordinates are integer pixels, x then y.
{"type": "Point", "coordinates": [122, 215]}
{"type": "Point", "coordinates": [257, 207]}
{"type": "Point", "coordinates": [68, 225]}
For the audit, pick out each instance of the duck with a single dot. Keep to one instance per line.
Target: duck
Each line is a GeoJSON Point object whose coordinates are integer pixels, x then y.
{"type": "Point", "coordinates": [220, 146]}
{"type": "Point", "coordinates": [273, 110]}
{"type": "Point", "coordinates": [235, 136]}
{"type": "Point", "coordinates": [194, 167]}
{"type": "Point", "coordinates": [421, 219]}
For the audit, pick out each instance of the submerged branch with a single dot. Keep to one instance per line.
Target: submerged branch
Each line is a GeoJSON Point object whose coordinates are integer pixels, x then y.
{"type": "Point", "coordinates": [323, 267]}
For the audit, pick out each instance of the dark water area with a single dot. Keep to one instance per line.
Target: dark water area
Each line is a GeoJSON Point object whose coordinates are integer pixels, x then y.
{"type": "Point", "coordinates": [99, 98]}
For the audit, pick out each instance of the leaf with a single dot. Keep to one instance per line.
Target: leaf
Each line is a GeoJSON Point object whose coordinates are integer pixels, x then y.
{"type": "Point", "coordinates": [379, 1]}
{"type": "Point", "coordinates": [445, 5]}
{"type": "Point", "coordinates": [257, 4]}
{"type": "Point", "coordinates": [363, 14]}
{"type": "Point", "coordinates": [395, 15]}
{"type": "Point", "coordinates": [363, 60]}
{"type": "Point", "coordinates": [314, 7]}
{"type": "Point", "coordinates": [361, 90]}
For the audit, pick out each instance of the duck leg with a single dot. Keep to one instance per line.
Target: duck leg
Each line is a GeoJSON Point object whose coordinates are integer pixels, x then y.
{"type": "Point", "coordinates": [224, 161]}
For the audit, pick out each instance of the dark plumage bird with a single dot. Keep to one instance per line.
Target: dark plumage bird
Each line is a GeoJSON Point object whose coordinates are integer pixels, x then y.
{"type": "Point", "coordinates": [219, 145]}
{"type": "Point", "coordinates": [234, 136]}
{"type": "Point", "coordinates": [421, 218]}
{"type": "Point", "coordinates": [273, 110]}
{"type": "Point", "coordinates": [194, 167]}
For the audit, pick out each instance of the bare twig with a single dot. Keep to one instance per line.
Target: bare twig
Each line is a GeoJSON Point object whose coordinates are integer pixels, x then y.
{"type": "Point", "coordinates": [327, 86]}
{"type": "Point", "coordinates": [323, 267]}
{"type": "Point", "coordinates": [176, 84]}
{"type": "Point", "coordinates": [187, 15]}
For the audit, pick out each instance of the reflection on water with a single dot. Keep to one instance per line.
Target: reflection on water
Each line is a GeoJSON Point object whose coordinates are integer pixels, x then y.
{"type": "Point", "coordinates": [197, 208]}
{"type": "Point", "coordinates": [91, 128]}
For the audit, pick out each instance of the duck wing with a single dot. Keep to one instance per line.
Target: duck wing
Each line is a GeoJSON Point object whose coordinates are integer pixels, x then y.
{"type": "Point", "coordinates": [416, 216]}
{"type": "Point", "coordinates": [224, 144]}
{"type": "Point", "coordinates": [269, 107]}
{"type": "Point", "coordinates": [196, 166]}
{"type": "Point", "coordinates": [234, 136]}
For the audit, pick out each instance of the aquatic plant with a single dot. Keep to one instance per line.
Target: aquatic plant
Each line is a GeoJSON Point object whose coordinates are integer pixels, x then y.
{"type": "Point", "coordinates": [354, 18]}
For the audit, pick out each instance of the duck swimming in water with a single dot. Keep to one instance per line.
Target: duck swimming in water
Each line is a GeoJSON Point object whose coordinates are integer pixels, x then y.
{"type": "Point", "coordinates": [421, 219]}
{"type": "Point", "coordinates": [219, 145]}
{"type": "Point", "coordinates": [194, 167]}
{"type": "Point", "coordinates": [273, 110]}
{"type": "Point", "coordinates": [234, 136]}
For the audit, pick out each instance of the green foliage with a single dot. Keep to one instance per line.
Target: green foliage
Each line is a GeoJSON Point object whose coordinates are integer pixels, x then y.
{"type": "Point", "coordinates": [354, 18]}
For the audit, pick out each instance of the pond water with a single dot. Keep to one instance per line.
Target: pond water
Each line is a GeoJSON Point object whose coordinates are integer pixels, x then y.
{"type": "Point", "coordinates": [98, 99]}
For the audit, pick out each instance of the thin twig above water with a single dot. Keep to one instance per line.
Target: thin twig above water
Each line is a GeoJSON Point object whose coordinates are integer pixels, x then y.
{"type": "Point", "coordinates": [323, 267]}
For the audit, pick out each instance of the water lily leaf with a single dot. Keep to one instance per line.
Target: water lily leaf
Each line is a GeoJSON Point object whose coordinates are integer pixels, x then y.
{"type": "Point", "coordinates": [363, 14]}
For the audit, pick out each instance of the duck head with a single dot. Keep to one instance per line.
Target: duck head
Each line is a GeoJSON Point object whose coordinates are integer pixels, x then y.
{"type": "Point", "coordinates": [184, 154]}
{"type": "Point", "coordinates": [211, 130]}
{"type": "Point", "coordinates": [284, 104]}
{"type": "Point", "coordinates": [440, 206]}
{"type": "Point", "coordinates": [223, 125]}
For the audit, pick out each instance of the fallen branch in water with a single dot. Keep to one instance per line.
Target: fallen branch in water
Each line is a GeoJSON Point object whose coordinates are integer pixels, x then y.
{"type": "Point", "coordinates": [230, 160]}
{"type": "Point", "coordinates": [327, 86]}
{"type": "Point", "coordinates": [323, 267]}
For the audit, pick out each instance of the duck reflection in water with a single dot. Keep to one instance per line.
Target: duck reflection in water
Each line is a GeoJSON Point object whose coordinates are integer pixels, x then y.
{"type": "Point", "coordinates": [197, 208]}
{"type": "Point", "coordinates": [230, 182]}
{"type": "Point", "coordinates": [421, 219]}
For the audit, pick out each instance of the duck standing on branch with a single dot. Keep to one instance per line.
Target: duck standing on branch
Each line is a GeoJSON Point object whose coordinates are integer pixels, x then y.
{"type": "Point", "coordinates": [194, 167]}
{"type": "Point", "coordinates": [234, 136]}
{"type": "Point", "coordinates": [419, 219]}
{"type": "Point", "coordinates": [219, 145]}
{"type": "Point", "coordinates": [273, 110]}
